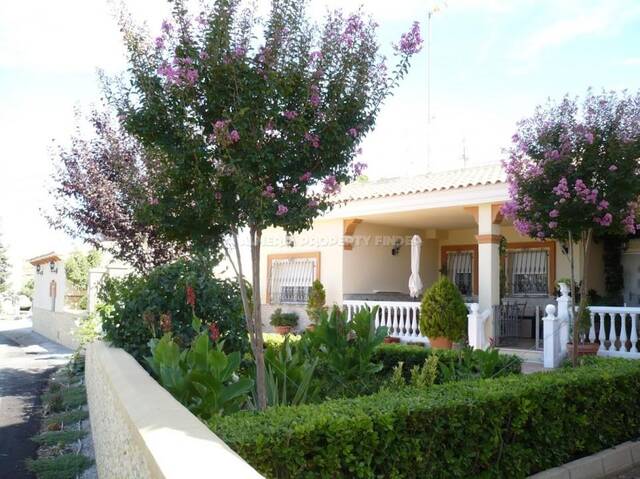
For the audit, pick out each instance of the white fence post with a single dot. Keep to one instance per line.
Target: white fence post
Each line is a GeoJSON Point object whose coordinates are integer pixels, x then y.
{"type": "Point", "coordinates": [476, 326]}
{"type": "Point", "coordinates": [551, 338]}
{"type": "Point", "coordinates": [564, 316]}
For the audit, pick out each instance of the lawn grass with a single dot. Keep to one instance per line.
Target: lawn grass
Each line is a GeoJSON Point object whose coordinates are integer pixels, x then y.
{"type": "Point", "coordinates": [66, 466]}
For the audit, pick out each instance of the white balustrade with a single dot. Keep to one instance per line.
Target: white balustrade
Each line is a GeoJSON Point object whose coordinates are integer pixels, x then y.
{"type": "Point", "coordinates": [617, 328]}
{"type": "Point", "coordinates": [402, 318]}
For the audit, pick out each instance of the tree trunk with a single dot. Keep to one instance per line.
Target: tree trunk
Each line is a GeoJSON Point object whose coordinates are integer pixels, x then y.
{"type": "Point", "coordinates": [572, 311]}
{"type": "Point", "coordinates": [261, 387]}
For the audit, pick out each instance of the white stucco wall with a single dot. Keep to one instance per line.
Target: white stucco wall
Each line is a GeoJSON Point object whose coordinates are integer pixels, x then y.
{"type": "Point", "coordinates": [140, 431]}
{"type": "Point", "coordinates": [326, 238]}
{"type": "Point", "coordinates": [58, 326]}
{"type": "Point", "coordinates": [42, 281]}
{"type": "Point", "coordinates": [369, 266]}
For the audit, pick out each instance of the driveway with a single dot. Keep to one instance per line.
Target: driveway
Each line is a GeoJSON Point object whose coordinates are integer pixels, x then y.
{"type": "Point", "coordinates": [27, 359]}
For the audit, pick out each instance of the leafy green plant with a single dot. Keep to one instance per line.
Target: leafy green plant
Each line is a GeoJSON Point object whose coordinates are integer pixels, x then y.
{"type": "Point", "coordinates": [443, 312]}
{"type": "Point", "coordinates": [202, 377]}
{"type": "Point", "coordinates": [70, 417]}
{"type": "Point", "coordinates": [290, 375]}
{"type": "Point", "coordinates": [278, 318]}
{"type": "Point", "coordinates": [512, 426]}
{"type": "Point", "coordinates": [132, 307]}
{"type": "Point", "coordinates": [316, 303]}
{"type": "Point", "coordinates": [465, 363]}
{"type": "Point", "coordinates": [345, 349]}
{"type": "Point", "coordinates": [426, 375]}
{"type": "Point", "coordinates": [66, 466]}
{"type": "Point", "coordinates": [52, 438]}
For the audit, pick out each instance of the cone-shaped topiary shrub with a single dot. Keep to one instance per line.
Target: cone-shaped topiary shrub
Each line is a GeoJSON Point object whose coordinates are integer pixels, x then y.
{"type": "Point", "coordinates": [316, 304]}
{"type": "Point", "coordinates": [443, 312]}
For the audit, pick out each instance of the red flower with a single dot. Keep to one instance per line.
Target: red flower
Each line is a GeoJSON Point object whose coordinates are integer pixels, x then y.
{"type": "Point", "coordinates": [191, 296]}
{"type": "Point", "coordinates": [214, 332]}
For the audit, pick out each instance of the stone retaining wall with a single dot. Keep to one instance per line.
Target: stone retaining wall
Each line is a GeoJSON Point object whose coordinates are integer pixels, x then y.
{"type": "Point", "coordinates": [140, 430]}
{"type": "Point", "coordinates": [57, 326]}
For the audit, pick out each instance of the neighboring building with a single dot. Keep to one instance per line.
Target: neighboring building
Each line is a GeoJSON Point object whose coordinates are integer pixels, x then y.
{"type": "Point", "coordinates": [361, 249]}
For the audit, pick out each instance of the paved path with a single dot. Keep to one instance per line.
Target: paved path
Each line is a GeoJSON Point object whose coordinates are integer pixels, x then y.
{"type": "Point", "coordinates": [26, 361]}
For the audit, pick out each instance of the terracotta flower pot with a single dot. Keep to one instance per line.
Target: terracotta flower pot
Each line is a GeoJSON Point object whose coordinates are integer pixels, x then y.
{"type": "Point", "coordinates": [584, 349]}
{"type": "Point", "coordinates": [283, 330]}
{"type": "Point", "coordinates": [391, 340]}
{"type": "Point", "coordinates": [440, 343]}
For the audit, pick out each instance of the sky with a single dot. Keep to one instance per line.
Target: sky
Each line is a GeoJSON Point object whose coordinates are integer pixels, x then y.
{"type": "Point", "coordinates": [492, 62]}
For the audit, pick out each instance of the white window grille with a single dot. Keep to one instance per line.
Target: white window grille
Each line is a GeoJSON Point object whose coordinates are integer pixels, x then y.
{"type": "Point", "coordinates": [528, 272]}
{"type": "Point", "coordinates": [291, 279]}
{"type": "Point", "coordinates": [460, 270]}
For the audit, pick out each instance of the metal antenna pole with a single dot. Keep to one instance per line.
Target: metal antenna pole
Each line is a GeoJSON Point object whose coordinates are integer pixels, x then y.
{"type": "Point", "coordinates": [429, 89]}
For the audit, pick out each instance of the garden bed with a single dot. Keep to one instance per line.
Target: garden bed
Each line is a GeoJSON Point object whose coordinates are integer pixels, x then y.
{"type": "Point", "coordinates": [506, 427]}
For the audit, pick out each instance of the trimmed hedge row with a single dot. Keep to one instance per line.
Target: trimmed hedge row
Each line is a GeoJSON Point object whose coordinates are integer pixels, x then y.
{"type": "Point", "coordinates": [511, 426]}
{"type": "Point", "coordinates": [471, 360]}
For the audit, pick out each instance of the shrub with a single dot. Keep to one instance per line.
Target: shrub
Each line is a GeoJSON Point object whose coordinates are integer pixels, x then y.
{"type": "Point", "coordinates": [443, 312]}
{"type": "Point", "coordinates": [135, 308]}
{"type": "Point", "coordinates": [507, 427]}
{"type": "Point", "coordinates": [203, 378]}
{"type": "Point", "coordinates": [452, 364]}
{"type": "Point", "coordinates": [316, 304]}
{"type": "Point", "coordinates": [278, 318]}
{"type": "Point", "coordinates": [345, 350]}
{"type": "Point", "coordinates": [67, 466]}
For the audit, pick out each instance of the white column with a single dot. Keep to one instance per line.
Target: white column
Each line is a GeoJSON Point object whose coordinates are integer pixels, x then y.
{"type": "Point", "coordinates": [564, 302]}
{"type": "Point", "coordinates": [551, 352]}
{"type": "Point", "coordinates": [488, 279]}
{"type": "Point", "coordinates": [477, 320]}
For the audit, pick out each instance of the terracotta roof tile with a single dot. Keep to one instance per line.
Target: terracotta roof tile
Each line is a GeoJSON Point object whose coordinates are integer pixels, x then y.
{"type": "Point", "coordinates": [436, 181]}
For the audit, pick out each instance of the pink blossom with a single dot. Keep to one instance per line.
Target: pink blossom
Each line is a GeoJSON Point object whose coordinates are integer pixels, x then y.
{"type": "Point", "coordinates": [553, 224]}
{"type": "Point", "coordinates": [282, 210]}
{"type": "Point", "coordinates": [203, 55]}
{"type": "Point", "coordinates": [306, 177]}
{"type": "Point", "coordinates": [234, 136]}
{"type": "Point", "coordinates": [411, 42]}
{"type": "Point", "coordinates": [554, 213]}
{"type": "Point", "coordinates": [613, 168]}
{"type": "Point", "coordinates": [160, 43]}
{"type": "Point", "coordinates": [562, 189]}
{"type": "Point", "coordinates": [358, 168]}
{"type": "Point", "coordinates": [290, 115]}
{"type": "Point", "coordinates": [589, 137]}
{"type": "Point", "coordinates": [553, 155]}
{"type": "Point", "coordinates": [313, 139]}
{"type": "Point", "coordinates": [167, 27]}
{"type": "Point", "coordinates": [312, 203]}
{"type": "Point", "coordinates": [217, 195]}
{"type": "Point", "coordinates": [315, 55]}
{"type": "Point", "coordinates": [353, 132]}
{"type": "Point", "coordinates": [603, 205]}
{"type": "Point", "coordinates": [268, 192]}
{"type": "Point", "coordinates": [330, 185]}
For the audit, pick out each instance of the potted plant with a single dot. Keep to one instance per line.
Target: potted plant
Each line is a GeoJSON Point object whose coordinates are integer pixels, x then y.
{"type": "Point", "coordinates": [283, 323]}
{"type": "Point", "coordinates": [316, 305]}
{"type": "Point", "coordinates": [583, 324]}
{"type": "Point", "coordinates": [443, 314]}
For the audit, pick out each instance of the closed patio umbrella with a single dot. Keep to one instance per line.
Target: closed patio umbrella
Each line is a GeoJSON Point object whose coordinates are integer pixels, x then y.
{"type": "Point", "coordinates": [415, 283]}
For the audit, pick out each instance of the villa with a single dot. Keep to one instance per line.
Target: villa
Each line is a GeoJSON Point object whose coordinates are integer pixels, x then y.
{"type": "Point", "coordinates": [361, 252]}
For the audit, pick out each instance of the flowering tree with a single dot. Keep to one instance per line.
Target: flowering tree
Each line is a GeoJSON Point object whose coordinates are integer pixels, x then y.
{"type": "Point", "coordinates": [98, 188]}
{"type": "Point", "coordinates": [573, 174]}
{"type": "Point", "coordinates": [253, 129]}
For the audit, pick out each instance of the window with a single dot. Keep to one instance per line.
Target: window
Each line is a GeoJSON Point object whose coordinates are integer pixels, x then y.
{"type": "Point", "coordinates": [460, 270]}
{"type": "Point", "coordinates": [290, 278]}
{"type": "Point", "coordinates": [528, 272]}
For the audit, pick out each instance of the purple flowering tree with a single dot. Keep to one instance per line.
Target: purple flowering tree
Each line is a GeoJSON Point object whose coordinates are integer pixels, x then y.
{"type": "Point", "coordinates": [573, 175]}
{"type": "Point", "coordinates": [254, 129]}
{"type": "Point", "coordinates": [99, 187]}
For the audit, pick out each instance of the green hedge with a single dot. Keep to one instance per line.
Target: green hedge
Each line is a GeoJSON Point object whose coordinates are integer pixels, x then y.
{"type": "Point", "coordinates": [467, 361]}
{"type": "Point", "coordinates": [506, 427]}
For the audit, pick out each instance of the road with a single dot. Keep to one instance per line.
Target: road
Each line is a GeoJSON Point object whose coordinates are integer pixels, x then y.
{"type": "Point", "coordinates": [27, 359]}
